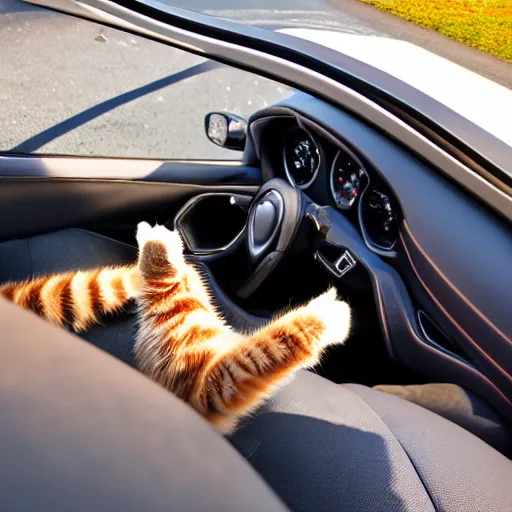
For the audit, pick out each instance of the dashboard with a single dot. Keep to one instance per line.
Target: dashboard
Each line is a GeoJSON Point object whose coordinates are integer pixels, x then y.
{"type": "Point", "coordinates": [332, 173]}
{"type": "Point", "coordinates": [438, 261]}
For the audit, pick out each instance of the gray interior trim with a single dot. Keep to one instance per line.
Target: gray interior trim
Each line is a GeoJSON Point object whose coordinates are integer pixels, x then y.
{"type": "Point", "coordinates": [178, 171]}
{"type": "Point", "coordinates": [38, 205]}
{"type": "Point", "coordinates": [270, 65]}
{"type": "Point", "coordinates": [479, 334]}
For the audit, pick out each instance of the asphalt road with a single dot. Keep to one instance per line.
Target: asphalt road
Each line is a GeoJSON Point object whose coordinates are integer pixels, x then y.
{"type": "Point", "coordinates": [69, 86]}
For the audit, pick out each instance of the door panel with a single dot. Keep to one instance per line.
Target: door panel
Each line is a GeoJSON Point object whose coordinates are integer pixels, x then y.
{"type": "Point", "coordinates": [201, 172]}
{"type": "Point", "coordinates": [36, 198]}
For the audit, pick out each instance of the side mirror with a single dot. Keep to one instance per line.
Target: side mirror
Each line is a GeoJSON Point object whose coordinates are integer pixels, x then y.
{"type": "Point", "coordinates": [226, 130]}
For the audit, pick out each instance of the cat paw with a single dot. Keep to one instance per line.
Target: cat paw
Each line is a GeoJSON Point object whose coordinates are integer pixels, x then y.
{"type": "Point", "coordinates": [143, 233]}
{"type": "Point", "coordinates": [170, 239]}
{"type": "Point", "coordinates": [335, 315]}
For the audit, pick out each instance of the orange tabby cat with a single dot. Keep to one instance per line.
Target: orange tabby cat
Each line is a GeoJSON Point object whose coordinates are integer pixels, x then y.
{"type": "Point", "coordinates": [182, 342]}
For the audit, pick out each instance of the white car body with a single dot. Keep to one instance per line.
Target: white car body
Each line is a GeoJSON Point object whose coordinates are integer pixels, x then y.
{"type": "Point", "coordinates": [480, 100]}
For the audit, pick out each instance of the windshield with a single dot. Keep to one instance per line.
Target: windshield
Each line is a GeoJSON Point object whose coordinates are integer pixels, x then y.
{"type": "Point", "coordinates": [459, 53]}
{"type": "Point", "coordinates": [73, 87]}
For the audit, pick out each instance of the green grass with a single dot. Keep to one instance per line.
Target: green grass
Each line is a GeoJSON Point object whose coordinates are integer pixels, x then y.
{"type": "Point", "coordinates": [483, 24]}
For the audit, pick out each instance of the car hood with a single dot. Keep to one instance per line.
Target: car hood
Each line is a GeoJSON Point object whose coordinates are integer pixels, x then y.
{"type": "Point", "coordinates": [478, 99]}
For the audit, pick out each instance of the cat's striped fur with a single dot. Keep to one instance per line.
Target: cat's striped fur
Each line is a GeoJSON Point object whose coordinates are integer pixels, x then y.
{"type": "Point", "coordinates": [76, 300]}
{"type": "Point", "coordinates": [182, 342]}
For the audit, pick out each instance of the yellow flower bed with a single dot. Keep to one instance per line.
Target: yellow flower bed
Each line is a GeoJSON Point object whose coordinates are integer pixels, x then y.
{"type": "Point", "coordinates": [483, 24]}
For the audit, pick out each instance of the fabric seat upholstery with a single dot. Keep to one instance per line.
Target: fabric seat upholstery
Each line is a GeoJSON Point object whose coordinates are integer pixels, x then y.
{"type": "Point", "coordinates": [320, 446]}
{"type": "Point", "coordinates": [350, 447]}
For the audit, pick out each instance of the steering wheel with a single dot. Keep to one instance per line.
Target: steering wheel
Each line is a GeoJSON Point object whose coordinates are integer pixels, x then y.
{"type": "Point", "coordinates": [274, 221]}
{"type": "Point", "coordinates": [282, 219]}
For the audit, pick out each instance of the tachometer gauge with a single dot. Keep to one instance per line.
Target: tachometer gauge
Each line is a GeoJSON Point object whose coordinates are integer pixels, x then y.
{"type": "Point", "coordinates": [348, 180]}
{"type": "Point", "coordinates": [301, 159]}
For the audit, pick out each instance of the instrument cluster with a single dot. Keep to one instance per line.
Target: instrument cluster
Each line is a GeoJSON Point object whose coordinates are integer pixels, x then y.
{"type": "Point", "coordinates": [362, 195]}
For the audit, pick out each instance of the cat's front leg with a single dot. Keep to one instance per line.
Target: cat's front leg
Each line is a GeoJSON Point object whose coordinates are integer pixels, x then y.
{"type": "Point", "coordinates": [241, 379]}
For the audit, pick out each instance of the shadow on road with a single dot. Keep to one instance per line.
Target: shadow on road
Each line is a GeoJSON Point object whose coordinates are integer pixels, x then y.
{"type": "Point", "coordinates": [46, 136]}
{"type": "Point", "coordinates": [11, 6]}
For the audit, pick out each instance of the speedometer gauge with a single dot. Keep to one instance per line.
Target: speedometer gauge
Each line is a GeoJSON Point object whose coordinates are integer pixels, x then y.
{"type": "Point", "coordinates": [348, 180]}
{"type": "Point", "coordinates": [301, 159]}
